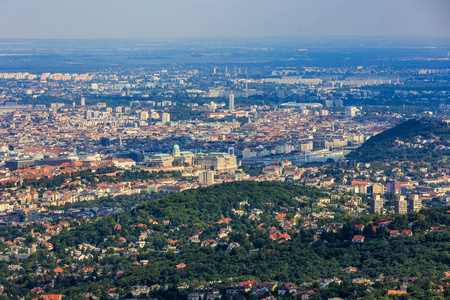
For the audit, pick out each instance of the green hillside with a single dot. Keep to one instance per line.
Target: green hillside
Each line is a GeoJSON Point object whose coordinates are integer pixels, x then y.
{"type": "Point", "coordinates": [192, 211]}
{"type": "Point", "coordinates": [267, 248]}
{"type": "Point", "coordinates": [426, 139]}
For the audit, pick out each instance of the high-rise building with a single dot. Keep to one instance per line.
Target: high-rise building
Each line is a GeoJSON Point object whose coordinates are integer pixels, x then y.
{"type": "Point", "coordinates": [231, 102]}
{"type": "Point", "coordinates": [206, 177]}
{"type": "Point", "coordinates": [394, 187]}
{"type": "Point", "coordinates": [165, 117]}
{"type": "Point", "coordinates": [350, 111]}
{"type": "Point", "coordinates": [415, 203]}
{"type": "Point", "coordinates": [376, 204]}
{"type": "Point", "coordinates": [401, 205]}
{"type": "Point", "coordinates": [83, 101]}
{"type": "Point", "coordinates": [143, 115]}
{"type": "Point", "coordinates": [375, 188]}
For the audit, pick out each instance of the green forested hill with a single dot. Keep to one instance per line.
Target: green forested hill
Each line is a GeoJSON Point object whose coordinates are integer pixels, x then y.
{"type": "Point", "coordinates": [192, 211]}
{"type": "Point", "coordinates": [381, 146]}
{"type": "Point", "coordinates": [293, 258]}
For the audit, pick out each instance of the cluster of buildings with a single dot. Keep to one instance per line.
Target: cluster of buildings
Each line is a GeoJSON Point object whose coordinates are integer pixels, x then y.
{"type": "Point", "coordinates": [219, 162]}
{"type": "Point", "coordinates": [52, 135]}
{"type": "Point", "coordinates": [177, 81]}
{"type": "Point", "coordinates": [332, 87]}
{"type": "Point", "coordinates": [128, 119]}
{"type": "Point", "coordinates": [277, 224]}
{"type": "Point", "coordinates": [402, 205]}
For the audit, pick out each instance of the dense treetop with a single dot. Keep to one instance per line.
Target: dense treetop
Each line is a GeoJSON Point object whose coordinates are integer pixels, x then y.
{"type": "Point", "coordinates": [194, 210]}
{"type": "Point", "coordinates": [172, 220]}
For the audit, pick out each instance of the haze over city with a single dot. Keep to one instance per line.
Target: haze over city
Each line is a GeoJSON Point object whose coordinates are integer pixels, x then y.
{"type": "Point", "coordinates": [55, 19]}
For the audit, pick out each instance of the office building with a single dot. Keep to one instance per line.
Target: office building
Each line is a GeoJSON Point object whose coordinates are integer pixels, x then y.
{"type": "Point", "coordinates": [136, 156]}
{"type": "Point", "coordinates": [51, 162]}
{"type": "Point", "coordinates": [281, 93]}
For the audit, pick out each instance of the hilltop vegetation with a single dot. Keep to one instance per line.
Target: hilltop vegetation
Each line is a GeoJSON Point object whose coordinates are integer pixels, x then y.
{"type": "Point", "coordinates": [266, 247]}
{"type": "Point", "coordinates": [192, 211]}
{"type": "Point", "coordinates": [413, 140]}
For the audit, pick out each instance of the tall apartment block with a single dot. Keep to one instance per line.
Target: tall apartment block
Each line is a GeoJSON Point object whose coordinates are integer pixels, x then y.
{"type": "Point", "coordinates": [206, 177]}
{"type": "Point", "coordinates": [415, 203]}
{"type": "Point", "coordinates": [394, 187]}
{"type": "Point", "coordinates": [231, 102]}
{"type": "Point", "coordinates": [401, 205]}
{"type": "Point", "coordinates": [376, 204]}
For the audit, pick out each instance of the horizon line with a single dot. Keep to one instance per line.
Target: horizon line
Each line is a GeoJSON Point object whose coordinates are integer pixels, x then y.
{"type": "Point", "coordinates": [235, 37]}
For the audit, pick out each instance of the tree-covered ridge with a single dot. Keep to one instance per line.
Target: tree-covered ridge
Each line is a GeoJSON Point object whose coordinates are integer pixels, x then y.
{"type": "Point", "coordinates": [301, 260]}
{"type": "Point", "coordinates": [413, 140]}
{"type": "Point", "coordinates": [193, 211]}
{"type": "Point", "coordinates": [268, 248]}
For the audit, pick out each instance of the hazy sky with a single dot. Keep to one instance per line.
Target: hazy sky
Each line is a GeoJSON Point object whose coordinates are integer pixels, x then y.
{"type": "Point", "coordinates": [216, 18]}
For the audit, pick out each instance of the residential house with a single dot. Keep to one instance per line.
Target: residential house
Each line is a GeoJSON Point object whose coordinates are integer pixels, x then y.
{"type": "Point", "coordinates": [288, 287]}
{"type": "Point", "coordinates": [358, 239]}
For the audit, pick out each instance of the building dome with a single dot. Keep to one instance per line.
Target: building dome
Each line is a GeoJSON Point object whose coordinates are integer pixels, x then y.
{"type": "Point", "coordinates": [176, 147]}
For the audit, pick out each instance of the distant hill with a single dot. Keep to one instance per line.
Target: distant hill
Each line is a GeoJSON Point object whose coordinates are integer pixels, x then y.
{"type": "Point", "coordinates": [413, 140]}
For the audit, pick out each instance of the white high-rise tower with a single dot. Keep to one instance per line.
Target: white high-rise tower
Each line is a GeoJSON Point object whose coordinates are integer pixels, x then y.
{"type": "Point", "coordinates": [231, 102]}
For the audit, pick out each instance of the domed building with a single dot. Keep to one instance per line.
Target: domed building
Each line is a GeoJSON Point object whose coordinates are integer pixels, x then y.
{"type": "Point", "coordinates": [166, 160]}
{"type": "Point", "coordinates": [176, 151]}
